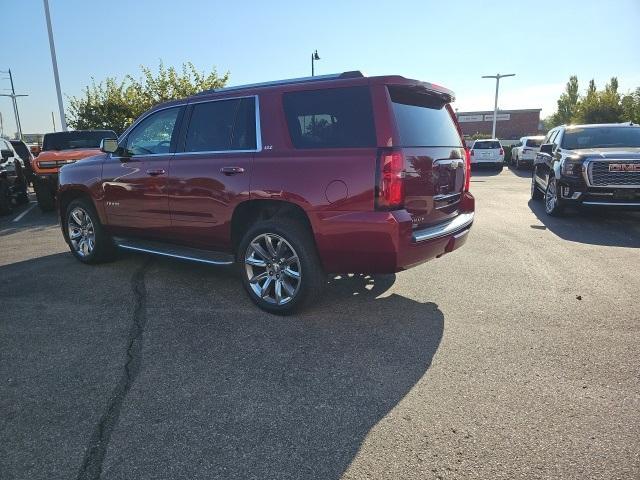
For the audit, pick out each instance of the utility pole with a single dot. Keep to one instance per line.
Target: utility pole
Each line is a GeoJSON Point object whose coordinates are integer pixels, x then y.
{"type": "Point", "coordinates": [314, 57]}
{"type": "Point", "coordinates": [53, 120]}
{"type": "Point", "coordinates": [54, 61]}
{"type": "Point", "coordinates": [495, 105]}
{"type": "Point", "coordinates": [15, 104]}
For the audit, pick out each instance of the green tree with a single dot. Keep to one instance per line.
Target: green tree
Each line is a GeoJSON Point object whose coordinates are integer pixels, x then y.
{"type": "Point", "coordinates": [600, 106]}
{"type": "Point", "coordinates": [567, 104]}
{"type": "Point", "coordinates": [631, 106]}
{"type": "Point", "coordinates": [114, 104]}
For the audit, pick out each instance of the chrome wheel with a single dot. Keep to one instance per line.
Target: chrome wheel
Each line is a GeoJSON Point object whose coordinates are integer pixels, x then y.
{"type": "Point", "coordinates": [551, 196]}
{"type": "Point", "coordinates": [273, 268]}
{"type": "Point", "coordinates": [82, 234]}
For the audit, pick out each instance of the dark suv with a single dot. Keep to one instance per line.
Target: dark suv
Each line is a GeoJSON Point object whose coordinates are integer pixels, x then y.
{"type": "Point", "coordinates": [288, 179]}
{"type": "Point", "coordinates": [588, 165]}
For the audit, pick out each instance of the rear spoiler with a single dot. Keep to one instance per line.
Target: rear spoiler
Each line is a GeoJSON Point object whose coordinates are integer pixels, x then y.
{"type": "Point", "coordinates": [432, 89]}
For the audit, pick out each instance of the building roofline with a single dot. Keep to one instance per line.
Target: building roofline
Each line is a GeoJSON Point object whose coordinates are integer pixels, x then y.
{"type": "Point", "coordinates": [499, 111]}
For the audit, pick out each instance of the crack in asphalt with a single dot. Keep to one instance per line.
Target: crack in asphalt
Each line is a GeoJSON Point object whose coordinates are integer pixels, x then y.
{"type": "Point", "coordinates": [91, 468]}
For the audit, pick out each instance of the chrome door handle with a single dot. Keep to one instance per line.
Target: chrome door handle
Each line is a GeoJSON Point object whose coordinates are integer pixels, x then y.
{"type": "Point", "coordinates": [155, 173]}
{"type": "Point", "coordinates": [231, 170]}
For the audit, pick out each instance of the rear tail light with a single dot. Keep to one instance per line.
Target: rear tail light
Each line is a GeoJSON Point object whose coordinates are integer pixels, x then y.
{"type": "Point", "coordinates": [467, 169]}
{"type": "Point", "coordinates": [502, 151]}
{"type": "Point", "coordinates": [390, 184]}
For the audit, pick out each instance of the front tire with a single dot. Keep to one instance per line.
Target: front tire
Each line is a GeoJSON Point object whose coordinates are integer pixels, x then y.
{"type": "Point", "coordinates": [552, 203]}
{"type": "Point", "coordinates": [279, 265]}
{"type": "Point", "coordinates": [45, 196]}
{"type": "Point", "coordinates": [85, 235]}
{"type": "Point", "coordinates": [536, 194]}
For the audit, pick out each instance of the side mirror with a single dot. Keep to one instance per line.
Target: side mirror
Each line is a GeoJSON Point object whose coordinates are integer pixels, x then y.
{"type": "Point", "coordinates": [546, 148]}
{"type": "Point", "coordinates": [6, 154]}
{"type": "Point", "coordinates": [109, 145]}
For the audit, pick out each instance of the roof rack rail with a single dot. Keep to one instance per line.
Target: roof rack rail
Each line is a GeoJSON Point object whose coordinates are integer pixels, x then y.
{"type": "Point", "coordinates": [289, 81]}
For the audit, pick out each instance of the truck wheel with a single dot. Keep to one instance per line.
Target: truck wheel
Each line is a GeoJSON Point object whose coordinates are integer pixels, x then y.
{"type": "Point", "coordinates": [279, 266]}
{"type": "Point", "coordinates": [85, 235]}
{"type": "Point", "coordinates": [5, 200]}
{"type": "Point", "coordinates": [45, 197]}
{"type": "Point", "coordinates": [536, 194]}
{"type": "Point", "coordinates": [552, 203]}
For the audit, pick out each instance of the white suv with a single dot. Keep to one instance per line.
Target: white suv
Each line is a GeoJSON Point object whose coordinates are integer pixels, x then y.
{"type": "Point", "coordinates": [487, 152]}
{"type": "Point", "coordinates": [525, 153]}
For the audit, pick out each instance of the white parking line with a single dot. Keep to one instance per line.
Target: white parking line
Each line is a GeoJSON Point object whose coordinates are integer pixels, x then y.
{"type": "Point", "coordinates": [19, 217]}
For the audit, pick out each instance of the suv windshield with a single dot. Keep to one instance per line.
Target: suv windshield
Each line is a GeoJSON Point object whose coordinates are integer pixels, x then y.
{"type": "Point", "coordinates": [486, 145]}
{"type": "Point", "coordinates": [601, 137]}
{"type": "Point", "coordinates": [533, 142]}
{"type": "Point", "coordinates": [75, 139]}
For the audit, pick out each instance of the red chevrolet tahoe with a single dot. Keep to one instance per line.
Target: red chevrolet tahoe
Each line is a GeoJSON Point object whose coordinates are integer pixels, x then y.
{"type": "Point", "coordinates": [290, 180]}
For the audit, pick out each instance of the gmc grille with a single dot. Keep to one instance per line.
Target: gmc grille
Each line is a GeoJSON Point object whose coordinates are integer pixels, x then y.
{"type": "Point", "coordinates": [600, 176]}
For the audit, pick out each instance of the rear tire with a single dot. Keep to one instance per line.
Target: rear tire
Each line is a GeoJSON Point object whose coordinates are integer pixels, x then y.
{"type": "Point", "coordinates": [45, 196]}
{"type": "Point", "coordinates": [279, 266]}
{"type": "Point", "coordinates": [85, 235]}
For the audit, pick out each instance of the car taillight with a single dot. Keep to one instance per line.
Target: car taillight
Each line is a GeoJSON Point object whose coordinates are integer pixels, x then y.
{"type": "Point", "coordinates": [467, 170]}
{"type": "Point", "coordinates": [390, 185]}
{"type": "Point", "coordinates": [502, 151]}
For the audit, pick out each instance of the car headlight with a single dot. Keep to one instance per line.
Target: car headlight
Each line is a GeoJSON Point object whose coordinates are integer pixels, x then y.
{"type": "Point", "coordinates": [571, 166]}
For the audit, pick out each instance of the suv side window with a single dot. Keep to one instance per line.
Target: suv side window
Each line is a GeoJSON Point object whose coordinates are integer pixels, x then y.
{"type": "Point", "coordinates": [154, 134]}
{"type": "Point", "coordinates": [222, 125]}
{"type": "Point", "coordinates": [330, 118]}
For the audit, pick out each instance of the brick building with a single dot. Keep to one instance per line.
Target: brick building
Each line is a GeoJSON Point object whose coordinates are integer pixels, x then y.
{"type": "Point", "coordinates": [510, 124]}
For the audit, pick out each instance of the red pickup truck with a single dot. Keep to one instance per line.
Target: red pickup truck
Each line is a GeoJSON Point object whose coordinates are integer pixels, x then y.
{"type": "Point", "coordinates": [290, 180]}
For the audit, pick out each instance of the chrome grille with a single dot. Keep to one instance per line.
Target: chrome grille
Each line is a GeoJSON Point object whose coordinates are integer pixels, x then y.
{"type": "Point", "coordinates": [600, 176]}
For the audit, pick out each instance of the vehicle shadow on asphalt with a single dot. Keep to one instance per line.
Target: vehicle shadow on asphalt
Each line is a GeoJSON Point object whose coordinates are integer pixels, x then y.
{"type": "Point", "coordinates": [223, 390]}
{"type": "Point", "coordinates": [484, 171]}
{"type": "Point", "coordinates": [228, 391]}
{"type": "Point", "coordinates": [524, 172]}
{"type": "Point", "coordinates": [592, 226]}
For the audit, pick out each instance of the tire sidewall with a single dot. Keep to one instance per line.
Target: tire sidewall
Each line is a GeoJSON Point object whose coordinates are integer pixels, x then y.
{"type": "Point", "coordinates": [103, 243]}
{"type": "Point", "coordinates": [302, 243]}
{"type": "Point", "coordinates": [557, 208]}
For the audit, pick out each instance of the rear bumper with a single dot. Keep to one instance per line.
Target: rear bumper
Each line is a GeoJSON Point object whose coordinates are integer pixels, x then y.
{"type": "Point", "coordinates": [483, 161]}
{"type": "Point", "coordinates": [385, 242]}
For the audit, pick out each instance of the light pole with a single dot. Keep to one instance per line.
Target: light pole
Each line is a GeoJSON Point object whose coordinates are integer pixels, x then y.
{"type": "Point", "coordinates": [495, 105]}
{"type": "Point", "coordinates": [314, 57]}
{"type": "Point", "coordinates": [15, 104]}
{"type": "Point", "coordinates": [54, 61]}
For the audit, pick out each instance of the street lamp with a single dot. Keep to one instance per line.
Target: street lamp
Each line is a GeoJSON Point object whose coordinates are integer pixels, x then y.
{"type": "Point", "coordinates": [314, 57]}
{"type": "Point", "coordinates": [54, 61]}
{"type": "Point", "coordinates": [495, 105]}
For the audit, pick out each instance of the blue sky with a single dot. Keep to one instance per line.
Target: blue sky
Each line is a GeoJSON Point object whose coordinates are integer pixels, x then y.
{"type": "Point", "coordinates": [451, 43]}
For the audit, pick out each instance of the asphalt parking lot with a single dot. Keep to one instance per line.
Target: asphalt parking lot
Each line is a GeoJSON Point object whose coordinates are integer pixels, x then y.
{"type": "Point", "coordinates": [513, 357]}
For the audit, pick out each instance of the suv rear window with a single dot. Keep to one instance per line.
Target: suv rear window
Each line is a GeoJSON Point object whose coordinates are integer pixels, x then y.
{"type": "Point", "coordinates": [75, 139]}
{"type": "Point", "coordinates": [486, 145]}
{"type": "Point", "coordinates": [22, 150]}
{"type": "Point", "coordinates": [330, 118]}
{"type": "Point", "coordinates": [423, 120]}
{"type": "Point", "coordinates": [534, 143]}
{"type": "Point", "coordinates": [222, 125]}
